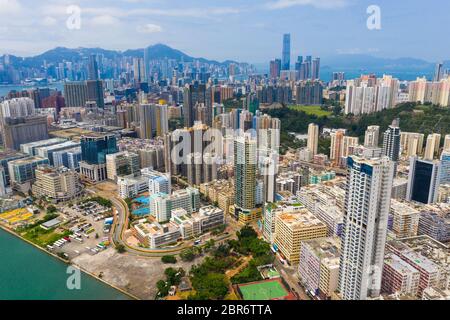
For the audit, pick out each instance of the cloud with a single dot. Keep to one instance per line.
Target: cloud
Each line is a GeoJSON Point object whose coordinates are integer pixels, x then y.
{"type": "Point", "coordinates": [104, 20]}
{"type": "Point", "coordinates": [321, 4]}
{"type": "Point", "coordinates": [149, 28]}
{"type": "Point", "coordinates": [49, 21]}
{"type": "Point", "coordinates": [10, 7]}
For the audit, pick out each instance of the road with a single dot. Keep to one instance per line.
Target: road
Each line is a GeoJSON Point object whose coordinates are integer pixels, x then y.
{"type": "Point", "coordinates": [121, 225]}
{"type": "Point", "coordinates": [289, 274]}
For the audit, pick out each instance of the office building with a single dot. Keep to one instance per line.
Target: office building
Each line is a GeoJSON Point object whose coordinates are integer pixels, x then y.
{"type": "Point", "coordinates": [49, 151]}
{"type": "Point", "coordinates": [423, 180]}
{"type": "Point", "coordinates": [30, 148]}
{"type": "Point", "coordinates": [93, 68]}
{"type": "Point", "coordinates": [367, 203]}
{"type": "Point", "coordinates": [94, 148]}
{"type": "Point", "coordinates": [286, 54]}
{"type": "Point", "coordinates": [22, 172]}
{"type": "Point", "coordinates": [69, 158]}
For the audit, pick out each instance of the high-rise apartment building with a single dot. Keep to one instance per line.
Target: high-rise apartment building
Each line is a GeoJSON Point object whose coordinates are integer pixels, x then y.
{"type": "Point", "coordinates": [309, 92]}
{"type": "Point", "coordinates": [391, 141]}
{"type": "Point", "coordinates": [411, 143]}
{"type": "Point", "coordinates": [337, 141]}
{"type": "Point", "coordinates": [445, 167]}
{"type": "Point", "coordinates": [313, 138]}
{"type": "Point", "coordinates": [367, 203]}
{"type": "Point", "coordinates": [433, 146]}
{"type": "Point", "coordinates": [372, 136]}
{"type": "Point", "coordinates": [245, 164]}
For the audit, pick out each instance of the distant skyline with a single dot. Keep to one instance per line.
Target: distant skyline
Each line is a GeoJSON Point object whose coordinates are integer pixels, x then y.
{"type": "Point", "coordinates": [248, 31]}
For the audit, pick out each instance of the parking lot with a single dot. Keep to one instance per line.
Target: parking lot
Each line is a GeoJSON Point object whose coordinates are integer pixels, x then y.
{"type": "Point", "coordinates": [90, 226]}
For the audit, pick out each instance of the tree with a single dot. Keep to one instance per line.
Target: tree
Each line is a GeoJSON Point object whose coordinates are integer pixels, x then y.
{"type": "Point", "coordinates": [120, 248]}
{"type": "Point", "coordinates": [169, 259]}
{"type": "Point", "coordinates": [163, 288]}
{"type": "Point", "coordinates": [213, 286]}
{"type": "Point", "coordinates": [187, 255]}
{"type": "Point", "coordinates": [51, 209]}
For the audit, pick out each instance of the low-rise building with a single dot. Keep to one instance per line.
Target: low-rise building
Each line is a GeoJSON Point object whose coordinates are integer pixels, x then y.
{"type": "Point", "coordinates": [399, 277]}
{"type": "Point", "coordinates": [291, 228]}
{"type": "Point", "coordinates": [405, 219]}
{"type": "Point", "coordinates": [318, 268]}
{"type": "Point", "coordinates": [56, 184]}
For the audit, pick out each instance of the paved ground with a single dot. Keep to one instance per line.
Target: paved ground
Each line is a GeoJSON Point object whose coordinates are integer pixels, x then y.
{"type": "Point", "coordinates": [137, 275]}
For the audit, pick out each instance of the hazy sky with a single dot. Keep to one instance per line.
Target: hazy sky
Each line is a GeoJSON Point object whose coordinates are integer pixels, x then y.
{"type": "Point", "coordinates": [244, 30]}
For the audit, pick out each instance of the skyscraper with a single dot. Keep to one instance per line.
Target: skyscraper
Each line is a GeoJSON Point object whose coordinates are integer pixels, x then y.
{"type": "Point", "coordinates": [315, 72]}
{"type": "Point", "coordinates": [286, 55]}
{"type": "Point", "coordinates": [423, 180]}
{"type": "Point", "coordinates": [196, 95]}
{"type": "Point", "coordinates": [391, 141]}
{"type": "Point", "coordinates": [337, 140]}
{"type": "Point", "coordinates": [438, 72]}
{"type": "Point", "coordinates": [93, 68]}
{"type": "Point", "coordinates": [245, 171]}
{"type": "Point", "coordinates": [313, 138]}
{"type": "Point", "coordinates": [367, 203]}
{"type": "Point", "coordinates": [275, 68]}
{"type": "Point", "coordinates": [95, 92]}
{"type": "Point", "coordinates": [372, 136]}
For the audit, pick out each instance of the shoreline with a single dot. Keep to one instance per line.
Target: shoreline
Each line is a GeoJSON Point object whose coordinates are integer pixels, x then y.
{"type": "Point", "coordinates": [69, 263]}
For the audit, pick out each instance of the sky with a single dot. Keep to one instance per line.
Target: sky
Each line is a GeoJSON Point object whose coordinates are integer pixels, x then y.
{"type": "Point", "coordinates": [242, 30]}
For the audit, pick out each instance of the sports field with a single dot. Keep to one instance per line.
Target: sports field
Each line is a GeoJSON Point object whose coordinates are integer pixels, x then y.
{"type": "Point", "coordinates": [267, 290]}
{"type": "Point", "coordinates": [311, 110]}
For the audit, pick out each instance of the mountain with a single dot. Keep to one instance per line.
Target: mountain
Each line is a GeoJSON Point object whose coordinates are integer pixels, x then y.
{"type": "Point", "coordinates": [59, 54]}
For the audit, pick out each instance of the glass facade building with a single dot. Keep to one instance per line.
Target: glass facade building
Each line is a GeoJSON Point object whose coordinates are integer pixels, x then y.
{"type": "Point", "coordinates": [95, 148]}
